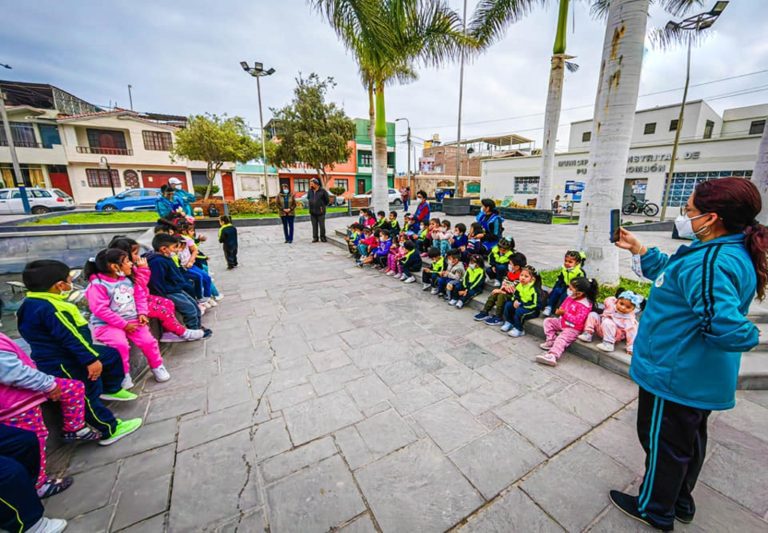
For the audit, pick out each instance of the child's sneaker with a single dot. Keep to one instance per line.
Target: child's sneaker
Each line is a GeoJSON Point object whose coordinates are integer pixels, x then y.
{"type": "Point", "coordinates": [506, 326]}
{"type": "Point", "coordinates": [435, 290]}
{"type": "Point", "coordinates": [547, 359]}
{"type": "Point", "coordinates": [219, 297]}
{"type": "Point", "coordinates": [399, 277]}
{"type": "Point", "coordinates": [207, 333]}
{"type": "Point", "coordinates": [211, 303]}
{"type": "Point", "coordinates": [605, 347]}
{"type": "Point", "coordinates": [409, 279]}
{"type": "Point", "coordinates": [85, 433]}
{"type": "Point", "coordinates": [459, 304]}
{"type": "Point", "coordinates": [120, 396]}
{"type": "Point", "coordinates": [493, 320]}
{"type": "Point", "coordinates": [48, 525]}
{"type": "Point", "coordinates": [426, 286]}
{"type": "Point", "coordinates": [390, 272]}
{"type": "Point", "coordinates": [171, 337]}
{"type": "Point", "coordinates": [452, 302]}
{"type": "Point", "coordinates": [161, 374]}
{"type": "Point", "coordinates": [585, 337]}
{"type": "Point", "coordinates": [202, 308]}
{"type": "Point", "coordinates": [482, 315]}
{"type": "Point", "coordinates": [496, 283]}
{"type": "Point", "coordinates": [192, 334]}
{"type": "Point", "coordinates": [514, 332]}
{"type": "Point", "coordinates": [546, 345]}
{"type": "Point", "coordinates": [547, 311]}
{"type": "Point", "coordinates": [123, 429]}
{"type": "Point", "coordinates": [127, 383]}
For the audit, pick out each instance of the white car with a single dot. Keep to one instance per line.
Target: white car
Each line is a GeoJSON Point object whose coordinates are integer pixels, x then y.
{"type": "Point", "coordinates": [40, 201]}
{"type": "Point", "coordinates": [394, 196]}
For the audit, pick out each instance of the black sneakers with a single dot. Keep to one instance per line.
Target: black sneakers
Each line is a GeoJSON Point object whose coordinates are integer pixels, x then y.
{"type": "Point", "coordinates": [628, 505]}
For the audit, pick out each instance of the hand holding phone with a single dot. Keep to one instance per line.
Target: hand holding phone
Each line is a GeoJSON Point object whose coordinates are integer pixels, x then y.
{"type": "Point", "coordinates": [615, 225]}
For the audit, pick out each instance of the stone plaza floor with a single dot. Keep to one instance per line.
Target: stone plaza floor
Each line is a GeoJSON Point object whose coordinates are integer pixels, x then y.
{"type": "Point", "coordinates": [331, 397]}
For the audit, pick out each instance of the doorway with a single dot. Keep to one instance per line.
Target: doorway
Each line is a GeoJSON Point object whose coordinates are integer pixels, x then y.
{"type": "Point", "coordinates": [361, 186]}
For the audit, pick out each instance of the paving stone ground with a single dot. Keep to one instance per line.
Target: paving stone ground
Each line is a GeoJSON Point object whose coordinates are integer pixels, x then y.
{"type": "Point", "coordinates": [334, 398]}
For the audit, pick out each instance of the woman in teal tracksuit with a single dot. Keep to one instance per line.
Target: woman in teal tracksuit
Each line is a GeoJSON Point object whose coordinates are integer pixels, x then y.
{"type": "Point", "coordinates": [691, 336]}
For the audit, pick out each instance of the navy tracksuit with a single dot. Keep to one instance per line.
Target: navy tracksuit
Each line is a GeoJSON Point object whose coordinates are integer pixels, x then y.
{"type": "Point", "coordinates": [20, 507]}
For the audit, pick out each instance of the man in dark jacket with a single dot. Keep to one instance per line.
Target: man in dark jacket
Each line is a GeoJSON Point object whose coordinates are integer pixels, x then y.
{"type": "Point", "coordinates": [318, 201]}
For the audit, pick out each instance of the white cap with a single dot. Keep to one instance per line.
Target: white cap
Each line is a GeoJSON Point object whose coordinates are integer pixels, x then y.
{"type": "Point", "coordinates": [174, 181]}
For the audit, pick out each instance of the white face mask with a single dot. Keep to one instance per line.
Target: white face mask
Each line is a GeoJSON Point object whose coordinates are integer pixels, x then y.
{"type": "Point", "coordinates": [685, 227]}
{"type": "Point", "coordinates": [418, 200]}
{"type": "Point", "coordinates": [569, 292]}
{"type": "Point", "coordinates": [285, 191]}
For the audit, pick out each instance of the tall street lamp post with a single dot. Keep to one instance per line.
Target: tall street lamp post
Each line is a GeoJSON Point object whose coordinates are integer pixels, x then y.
{"type": "Point", "coordinates": [257, 71]}
{"type": "Point", "coordinates": [410, 185]}
{"type": "Point", "coordinates": [14, 158]}
{"type": "Point", "coordinates": [104, 163]}
{"type": "Point", "coordinates": [461, 97]}
{"type": "Point", "coordinates": [695, 24]}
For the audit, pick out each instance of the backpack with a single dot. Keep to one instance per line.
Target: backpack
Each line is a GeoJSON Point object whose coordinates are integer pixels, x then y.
{"type": "Point", "coordinates": [213, 212]}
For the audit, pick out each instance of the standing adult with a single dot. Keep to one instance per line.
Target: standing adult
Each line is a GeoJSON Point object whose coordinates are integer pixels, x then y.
{"type": "Point", "coordinates": [421, 215]}
{"type": "Point", "coordinates": [181, 197]}
{"type": "Point", "coordinates": [490, 218]}
{"type": "Point", "coordinates": [318, 202]}
{"type": "Point", "coordinates": [164, 204]}
{"type": "Point", "coordinates": [556, 205]}
{"type": "Point", "coordinates": [405, 196]}
{"type": "Point", "coordinates": [690, 340]}
{"type": "Point", "coordinates": [286, 205]}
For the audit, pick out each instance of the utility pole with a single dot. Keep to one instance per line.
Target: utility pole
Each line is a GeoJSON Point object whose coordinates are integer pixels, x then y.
{"type": "Point", "coordinates": [409, 150]}
{"type": "Point", "coordinates": [130, 96]}
{"type": "Point", "coordinates": [461, 96]}
{"type": "Point", "coordinates": [18, 176]}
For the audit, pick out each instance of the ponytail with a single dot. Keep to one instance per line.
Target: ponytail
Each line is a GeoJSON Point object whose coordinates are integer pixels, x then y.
{"type": "Point", "coordinates": [756, 242]}
{"type": "Point", "coordinates": [589, 287]}
{"type": "Point", "coordinates": [100, 263]}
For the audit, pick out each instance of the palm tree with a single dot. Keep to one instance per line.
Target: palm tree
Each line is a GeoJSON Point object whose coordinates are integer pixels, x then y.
{"type": "Point", "coordinates": [760, 175]}
{"type": "Point", "coordinates": [388, 38]}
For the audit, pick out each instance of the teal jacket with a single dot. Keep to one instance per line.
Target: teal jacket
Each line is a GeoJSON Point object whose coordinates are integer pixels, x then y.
{"type": "Point", "coordinates": [694, 327]}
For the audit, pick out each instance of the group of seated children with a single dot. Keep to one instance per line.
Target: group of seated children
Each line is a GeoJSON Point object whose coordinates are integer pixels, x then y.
{"type": "Point", "coordinates": [125, 289]}
{"type": "Point", "coordinates": [458, 268]}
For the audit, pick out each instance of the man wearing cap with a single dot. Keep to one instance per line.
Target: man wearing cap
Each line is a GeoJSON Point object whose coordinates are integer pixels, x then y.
{"type": "Point", "coordinates": [318, 201]}
{"type": "Point", "coordinates": [181, 197]}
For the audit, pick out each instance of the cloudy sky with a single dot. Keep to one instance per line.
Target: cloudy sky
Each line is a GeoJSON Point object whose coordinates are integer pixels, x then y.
{"type": "Point", "coordinates": [181, 56]}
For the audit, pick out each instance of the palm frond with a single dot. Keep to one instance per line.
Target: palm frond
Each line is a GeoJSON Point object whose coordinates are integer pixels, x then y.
{"type": "Point", "coordinates": [679, 7]}
{"type": "Point", "coordinates": [491, 18]}
{"type": "Point", "coordinates": [672, 35]}
{"type": "Point", "coordinates": [599, 9]}
{"type": "Point", "coordinates": [571, 66]}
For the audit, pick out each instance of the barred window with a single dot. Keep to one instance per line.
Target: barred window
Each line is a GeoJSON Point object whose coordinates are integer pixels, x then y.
{"type": "Point", "coordinates": [301, 184]}
{"type": "Point", "coordinates": [586, 136]}
{"type": "Point", "coordinates": [526, 185]}
{"type": "Point", "coordinates": [366, 160]}
{"type": "Point", "coordinates": [344, 184]}
{"type": "Point", "coordinates": [157, 140]}
{"type": "Point", "coordinates": [98, 177]}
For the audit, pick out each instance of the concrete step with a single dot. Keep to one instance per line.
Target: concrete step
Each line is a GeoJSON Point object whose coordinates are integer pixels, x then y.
{"type": "Point", "coordinates": [753, 374]}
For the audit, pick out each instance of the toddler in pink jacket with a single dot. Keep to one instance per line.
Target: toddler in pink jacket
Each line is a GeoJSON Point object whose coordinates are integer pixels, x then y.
{"type": "Point", "coordinates": [618, 322]}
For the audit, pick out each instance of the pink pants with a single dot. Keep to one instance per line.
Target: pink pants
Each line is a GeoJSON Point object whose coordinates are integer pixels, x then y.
{"type": "Point", "coordinates": [164, 310]}
{"type": "Point", "coordinates": [118, 339]}
{"type": "Point", "coordinates": [72, 404]}
{"type": "Point", "coordinates": [393, 264]}
{"type": "Point", "coordinates": [559, 337]}
{"type": "Point", "coordinates": [607, 330]}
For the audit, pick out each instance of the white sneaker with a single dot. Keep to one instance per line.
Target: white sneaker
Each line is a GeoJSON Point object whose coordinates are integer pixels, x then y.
{"type": "Point", "coordinates": [605, 347]}
{"type": "Point", "coordinates": [391, 273]}
{"type": "Point", "coordinates": [399, 276]}
{"type": "Point", "coordinates": [193, 335]}
{"type": "Point", "coordinates": [211, 303]}
{"type": "Point", "coordinates": [171, 337]}
{"type": "Point", "coordinates": [459, 304]}
{"type": "Point", "coordinates": [496, 283]}
{"type": "Point", "coordinates": [434, 291]}
{"type": "Point", "coordinates": [547, 311]}
{"type": "Point", "coordinates": [202, 308]}
{"type": "Point", "coordinates": [48, 525]}
{"type": "Point", "coordinates": [425, 286]}
{"type": "Point", "coordinates": [585, 337]}
{"type": "Point", "coordinates": [127, 382]}
{"type": "Point", "coordinates": [547, 359]}
{"type": "Point", "coordinates": [514, 332]}
{"type": "Point", "coordinates": [161, 374]}
{"type": "Point", "coordinates": [452, 302]}
{"type": "Point", "coordinates": [218, 297]}
{"type": "Point", "coordinates": [409, 279]}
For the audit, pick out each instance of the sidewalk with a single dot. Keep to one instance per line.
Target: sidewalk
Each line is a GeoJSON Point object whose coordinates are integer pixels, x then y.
{"type": "Point", "coordinates": [334, 397]}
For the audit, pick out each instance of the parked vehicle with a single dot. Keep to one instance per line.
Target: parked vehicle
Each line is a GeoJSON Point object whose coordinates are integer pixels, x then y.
{"type": "Point", "coordinates": [41, 201]}
{"type": "Point", "coordinates": [130, 200]}
{"type": "Point", "coordinates": [394, 196]}
{"type": "Point", "coordinates": [642, 207]}
{"type": "Point", "coordinates": [301, 199]}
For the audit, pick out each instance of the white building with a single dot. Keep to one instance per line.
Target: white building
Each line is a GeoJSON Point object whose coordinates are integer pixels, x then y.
{"type": "Point", "coordinates": [710, 147]}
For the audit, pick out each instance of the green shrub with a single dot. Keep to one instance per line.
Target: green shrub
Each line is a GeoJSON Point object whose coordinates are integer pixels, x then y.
{"type": "Point", "coordinates": [549, 277]}
{"type": "Point", "coordinates": [338, 191]}
{"type": "Point", "coordinates": [200, 189]}
{"type": "Point", "coordinates": [248, 207]}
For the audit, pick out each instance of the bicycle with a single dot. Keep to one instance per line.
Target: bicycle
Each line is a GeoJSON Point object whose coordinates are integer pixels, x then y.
{"type": "Point", "coordinates": [644, 207]}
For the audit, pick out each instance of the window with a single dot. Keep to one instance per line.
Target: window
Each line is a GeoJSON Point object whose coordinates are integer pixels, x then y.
{"type": "Point", "coordinates": [39, 193]}
{"type": "Point", "coordinates": [366, 160]}
{"type": "Point", "coordinates": [132, 194]}
{"type": "Point", "coordinates": [22, 133]}
{"type": "Point", "coordinates": [106, 141]}
{"type": "Point", "coordinates": [344, 184]}
{"type": "Point", "coordinates": [683, 183]}
{"type": "Point", "coordinates": [301, 184]}
{"type": "Point", "coordinates": [586, 136]}
{"type": "Point", "coordinates": [49, 135]}
{"type": "Point", "coordinates": [98, 177]}
{"type": "Point", "coordinates": [527, 185]}
{"type": "Point", "coordinates": [3, 195]}
{"type": "Point", "coordinates": [650, 128]}
{"type": "Point", "coordinates": [708, 127]}
{"type": "Point", "coordinates": [673, 125]}
{"type": "Point", "coordinates": [157, 140]}
{"type": "Point", "coordinates": [757, 127]}
{"type": "Point", "coordinates": [60, 194]}
{"type": "Point", "coordinates": [131, 178]}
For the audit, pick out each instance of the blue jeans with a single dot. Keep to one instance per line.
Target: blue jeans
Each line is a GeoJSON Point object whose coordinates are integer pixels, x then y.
{"type": "Point", "coordinates": [19, 467]}
{"type": "Point", "coordinates": [187, 306]}
{"type": "Point", "coordinates": [500, 274]}
{"type": "Point", "coordinates": [467, 297]}
{"type": "Point", "coordinates": [518, 316]}
{"type": "Point", "coordinates": [202, 281]}
{"type": "Point", "coordinates": [405, 204]}
{"type": "Point", "coordinates": [288, 227]}
{"type": "Point", "coordinates": [556, 297]}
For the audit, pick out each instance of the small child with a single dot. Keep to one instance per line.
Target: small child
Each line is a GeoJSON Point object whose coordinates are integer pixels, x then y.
{"type": "Point", "coordinates": [366, 244]}
{"type": "Point", "coordinates": [23, 388]}
{"type": "Point", "coordinates": [61, 346]}
{"type": "Point", "coordinates": [228, 240]}
{"type": "Point", "coordinates": [353, 236]}
{"type": "Point", "coordinates": [200, 276]}
{"type": "Point", "coordinates": [474, 244]}
{"type": "Point", "coordinates": [618, 321]}
{"type": "Point", "coordinates": [498, 260]}
{"type": "Point", "coordinates": [396, 252]}
{"type": "Point", "coordinates": [453, 273]}
{"type": "Point", "coordinates": [378, 255]}
{"type": "Point", "coordinates": [409, 226]}
{"type": "Point", "coordinates": [425, 235]}
{"type": "Point", "coordinates": [394, 225]}
{"type": "Point", "coordinates": [370, 220]}
{"type": "Point", "coordinates": [381, 220]}
{"type": "Point", "coordinates": [430, 274]}
{"type": "Point", "coordinates": [471, 284]}
{"type": "Point", "coordinates": [499, 297]}
{"type": "Point", "coordinates": [409, 263]}
{"type": "Point", "coordinates": [571, 269]}
{"type": "Point", "coordinates": [459, 239]}
{"type": "Point", "coordinates": [526, 303]}
{"type": "Point", "coordinates": [564, 328]}
{"type": "Point", "coordinates": [442, 237]}
{"type": "Point", "coordinates": [116, 316]}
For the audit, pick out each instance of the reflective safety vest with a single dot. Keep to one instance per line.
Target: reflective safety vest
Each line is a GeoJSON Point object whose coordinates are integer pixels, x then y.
{"type": "Point", "coordinates": [528, 295]}
{"type": "Point", "coordinates": [498, 258]}
{"type": "Point", "coordinates": [568, 277]}
{"type": "Point", "coordinates": [473, 278]}
{"type": "Point", "coordinates": [438, 265]}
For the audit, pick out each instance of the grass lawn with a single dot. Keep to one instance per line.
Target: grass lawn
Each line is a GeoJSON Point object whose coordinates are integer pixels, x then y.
{"type": "Point", "coordinates": [128, 217]}
{"type": "Point", "coordinates": [549, 277]}
{"type": "Point", "coordinates": [565, 220]}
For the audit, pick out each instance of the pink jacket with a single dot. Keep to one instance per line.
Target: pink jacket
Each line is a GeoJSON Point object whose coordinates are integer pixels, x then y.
{"type": "Point", "coordinates": [576, 313]}
{"type": "Point", "coordinates": [626, 323]}
{"type": "Point", "coordinates": [13, 400]}
{"type": "Point", "coordinates": [141, 285]}
{"type": "Point", "coordinates": [113, 301]}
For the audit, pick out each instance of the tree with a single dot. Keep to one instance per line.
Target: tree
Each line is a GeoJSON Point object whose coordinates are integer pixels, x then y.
{"type": "Point", "coordinates": [760, 176]}
{"type": "Point", "coordinates": [388, 38]}
{"type": "Point", "coordinates": [311, 131]}
{"type": "Point", "coordinates": [215, 140]}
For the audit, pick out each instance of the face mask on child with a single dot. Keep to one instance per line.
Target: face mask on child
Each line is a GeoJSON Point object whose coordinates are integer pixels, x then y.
{"type": "Point", "coordinates": [472, 265]}
{"type": "Point", "coordinates": [569, 292]}
{"type": "Point", "coordinates": [285, 191]}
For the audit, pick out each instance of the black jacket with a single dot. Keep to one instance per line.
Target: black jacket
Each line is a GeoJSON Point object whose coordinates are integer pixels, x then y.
{"type": "Point", "coordinates": [318, 201]}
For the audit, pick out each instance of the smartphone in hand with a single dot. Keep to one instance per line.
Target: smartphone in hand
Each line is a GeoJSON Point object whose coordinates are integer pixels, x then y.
{"type": "Point", "coordinates": [615, 224]}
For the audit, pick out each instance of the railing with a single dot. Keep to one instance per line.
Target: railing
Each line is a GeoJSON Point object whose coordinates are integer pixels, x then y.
{"type": "Point", "coordinates": [103, 150]}
{"type": "Point", "coordinates": [24, 144]}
